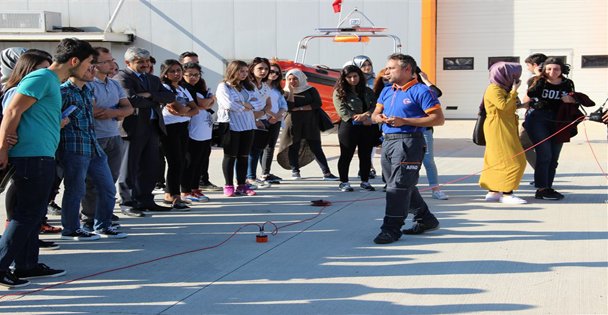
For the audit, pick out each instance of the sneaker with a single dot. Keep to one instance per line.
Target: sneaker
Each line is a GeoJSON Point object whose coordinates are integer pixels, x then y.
{"type": "Point", "coordinates": [421, 227]}
{"type": "Point", "coordinates": [159, 186]}
{"type": "Point", "coordinates": [262, 184]}
{"type": "Point", "coordinates": [47, 245]}
{"type": "Point", "coordinates": [110, 233]}
{"type": "Point", "coordinates": [180, 205]}
{"type": "Point", "coordinates": [386, 237]}
{"type": "Point", "coordinates": [252, 186]}
{"type": "Point", "coordinates": [46, 228]}
{"type": "Point", "coordinates": [81, 235]}
{"type": "Point", "coordinates": [330, 176]}
{"type": "Point", "coordinates": [296, 175]}
{"type": "Point", "coordinates": [229, 191]}
{"type": "Point", "coordinates": [208, 186]}
{"type": "Point", "coordinates": [88, 226]}
{"type": "Point", "coordinates": [9, 280]}
{"type": "Point", "coordinates": [53, 209]}
{"type": "Point", "coordinates": [372, 173]}
{"type": "Point", "coordinates": [115, 217]}
{"type": "Point", "coordinates": [271, 178]}
{"type": "Point", "coordinates": [244, 190]}
{"type": "Point", "coordinates": [512, 199]}
{"type": "Point", "coordinates": [439, 195]}
{"type": "Point", "coordinates": [345, 187]}
{"type": "Point", "coordinates": [40, 271]}
{"type": "Point", "coordinates": [191, 197]}
{"type": "Point", "coordinates": [199, 194]}
{"type": "Point", "coordinates": [548, 194]}
{"type": "Point", "coordinates": [367, 186]}
{"type": "Point", "coordinates": [493, 196]}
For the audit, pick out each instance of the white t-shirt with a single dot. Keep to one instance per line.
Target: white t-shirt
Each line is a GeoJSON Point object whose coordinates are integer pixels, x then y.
{"type": "Point", "coordinates": [201, 124]}
{"type": "Point", "coordinates": [183, 96]}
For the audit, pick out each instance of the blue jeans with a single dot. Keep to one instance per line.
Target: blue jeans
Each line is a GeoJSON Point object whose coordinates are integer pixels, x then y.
{"type": "Point", "coordinates": [113, 147]}
{"type": "Point", "coordinates": [76, 169]}
{"type": "Point", "coordinates": [540, 124]}
{"type": "Point", "coordinates": [429, 158]}
{"type": "Point", "coordinates": [33, 180]}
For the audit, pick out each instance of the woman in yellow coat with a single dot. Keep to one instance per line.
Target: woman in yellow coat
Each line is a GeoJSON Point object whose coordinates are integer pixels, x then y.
{"type": "Point", "coordinates": [502, 162]}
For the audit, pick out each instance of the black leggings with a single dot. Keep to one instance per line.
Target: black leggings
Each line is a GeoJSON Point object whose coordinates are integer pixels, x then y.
{"type": "Point", "coordinates": [352, 137]}
{"type": "Point", "coordinates": [237, 145]}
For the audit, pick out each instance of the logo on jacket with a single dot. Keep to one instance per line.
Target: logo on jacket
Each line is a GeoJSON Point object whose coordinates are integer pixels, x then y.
{"type": "Point", "coordinates": [407, 101]}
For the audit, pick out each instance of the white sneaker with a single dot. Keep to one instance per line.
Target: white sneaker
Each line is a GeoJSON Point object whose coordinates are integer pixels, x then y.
{"type": "Point", "coordinates": [493, 196]}
{"type": "Point", "coordinates": [439, 195]}
{"type": "Point", "coordinates": [512, 199]}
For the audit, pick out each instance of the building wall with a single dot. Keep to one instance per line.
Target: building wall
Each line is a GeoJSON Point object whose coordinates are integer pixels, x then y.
{"type": "Point", "coordinates": [482, 28]}
{"type": "Point", "coordinates": [221, 30]}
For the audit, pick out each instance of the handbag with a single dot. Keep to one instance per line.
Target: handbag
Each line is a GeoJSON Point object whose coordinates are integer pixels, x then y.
{"type": "Point", "coordinates": [325, 122]}
{"type": "Point", "coordinates": [478, 135]}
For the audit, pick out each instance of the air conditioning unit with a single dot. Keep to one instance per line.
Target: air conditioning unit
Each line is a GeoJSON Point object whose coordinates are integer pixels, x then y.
{"type": "Point", "coordinates": [29, 21]}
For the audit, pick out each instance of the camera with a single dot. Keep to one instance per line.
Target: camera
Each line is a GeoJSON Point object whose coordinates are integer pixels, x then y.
{"type": "Point", "coordinates": [597, 115]}
{"type": "Point", "coordinates": [537, 103]}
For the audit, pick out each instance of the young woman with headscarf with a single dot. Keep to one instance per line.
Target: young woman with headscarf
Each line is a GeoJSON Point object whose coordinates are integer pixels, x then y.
{"type": "Point", "coordinates": [302, 122]}
{"type": "Point", "coordinates": [503, 165]}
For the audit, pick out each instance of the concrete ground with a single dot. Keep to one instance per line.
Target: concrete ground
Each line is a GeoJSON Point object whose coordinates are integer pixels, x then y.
{"type": "Point", "coordinates": [545, 257]}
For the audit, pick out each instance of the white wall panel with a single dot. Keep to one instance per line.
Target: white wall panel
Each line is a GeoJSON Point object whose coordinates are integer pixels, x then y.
{"type": "Point", "coordinates": [482, 29]}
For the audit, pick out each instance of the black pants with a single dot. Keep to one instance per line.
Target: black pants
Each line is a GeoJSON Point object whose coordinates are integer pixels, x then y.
{"type": "Point", "coordinates": [138, 171]}
{"type": "Point", "coordinates": [317, 150]}
{"type": "Point", "coordinates": [175, 144]}
{"type": "Point", "coordinates": [268, 153]}
{"type": "Point", "coordinates": [401, 161]}
{"type": "Point", "coordinates": [197, 163]}
{"type": "Point", "coordinates": [237, 145]}
{"type": "Point", "coordinates": [352, 137]}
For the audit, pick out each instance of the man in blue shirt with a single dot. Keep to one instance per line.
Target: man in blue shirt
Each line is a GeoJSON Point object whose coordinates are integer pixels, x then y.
{"type": "Point", "coordinates": [34, 113]}
{"type": "Point", "coordinates": [80, 156]}
{"type": "Point", "coordinates": [404, 109]}
{"type": "Point", "coordinates": [111, 105]}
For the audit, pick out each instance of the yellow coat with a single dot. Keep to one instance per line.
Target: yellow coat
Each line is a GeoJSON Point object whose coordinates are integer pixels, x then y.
{"type": "Point", "coordinates": [502, 169]}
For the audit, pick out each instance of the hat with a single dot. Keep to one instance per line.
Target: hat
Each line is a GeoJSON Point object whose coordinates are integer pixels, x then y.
{"type": "Point", "coordinates": [8, 59]}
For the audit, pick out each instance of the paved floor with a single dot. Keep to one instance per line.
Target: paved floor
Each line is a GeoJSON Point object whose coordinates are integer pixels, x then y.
{"type": "Point", "coordinates": [540, 258]}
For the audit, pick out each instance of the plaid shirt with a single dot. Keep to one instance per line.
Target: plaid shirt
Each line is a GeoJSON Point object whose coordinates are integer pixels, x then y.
{"type": "Point", "coordinates": [79, 135]}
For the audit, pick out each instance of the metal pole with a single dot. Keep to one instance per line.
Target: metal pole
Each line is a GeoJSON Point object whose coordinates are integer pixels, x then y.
{"type": "Point", "coordinates": [113, 17]}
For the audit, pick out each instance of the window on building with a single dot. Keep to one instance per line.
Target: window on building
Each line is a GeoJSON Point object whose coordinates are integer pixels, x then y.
{"type": "Point", "coordinates": [458, 63]}
{"type": "Point", "coordinates": [594, 61]}
{"type": "Point", "coordinates": [493, 60]}
{"type": "Point", "coordinates": [563, 59]}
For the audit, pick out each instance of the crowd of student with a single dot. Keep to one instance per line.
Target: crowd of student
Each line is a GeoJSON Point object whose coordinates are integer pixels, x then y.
{"type": "Point", "coordinates": [76, 118]}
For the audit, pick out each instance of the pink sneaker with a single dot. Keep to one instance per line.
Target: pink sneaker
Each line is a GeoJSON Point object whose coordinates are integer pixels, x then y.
{"type": "Point", "coordinates": [245, 190]}
{"type": "Point", "coordinates": [229, 191]}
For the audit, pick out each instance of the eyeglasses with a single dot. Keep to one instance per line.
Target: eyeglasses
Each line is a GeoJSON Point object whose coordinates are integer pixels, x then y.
{"type": "Point", "coordinates": [274, 72]}
{"type": "Point", "coordinates": [105, 61]}
{"type": "Point", "coordinates": [193, 75]}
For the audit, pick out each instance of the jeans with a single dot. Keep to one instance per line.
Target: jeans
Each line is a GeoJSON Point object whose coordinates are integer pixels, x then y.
{"type": "Point", "coordinates": [268, 153]}
{"type": "Point", "coordinates": [76, 170]}
{"type": "Point", "coordinates": [429, 158]}
{"type": "Point", "coordinates": [33, 180]}
{"type": "Point", "coordinates": [113, 147]}
{"type": "Point", "coordinates": [237, 146]}
{"type": "Point", "coordinates": [540, 124]}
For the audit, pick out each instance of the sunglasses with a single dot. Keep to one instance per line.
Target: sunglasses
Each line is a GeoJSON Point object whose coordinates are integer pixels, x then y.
{"type": "Point", "coordinates": [274, 72]}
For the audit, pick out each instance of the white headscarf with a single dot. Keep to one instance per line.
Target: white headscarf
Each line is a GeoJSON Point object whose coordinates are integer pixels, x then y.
{"type": "Point", "coordinates": [301, 78]}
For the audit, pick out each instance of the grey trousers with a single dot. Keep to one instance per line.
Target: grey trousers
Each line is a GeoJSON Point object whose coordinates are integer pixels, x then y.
{"type": "Point", "coordinates": [114, 148]}
{"type": "Point", "coordinates": [401, 161]}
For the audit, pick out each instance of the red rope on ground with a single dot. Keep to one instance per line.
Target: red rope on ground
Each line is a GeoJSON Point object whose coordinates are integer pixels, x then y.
{"type": "Point", "coordinates": [275, 229]}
